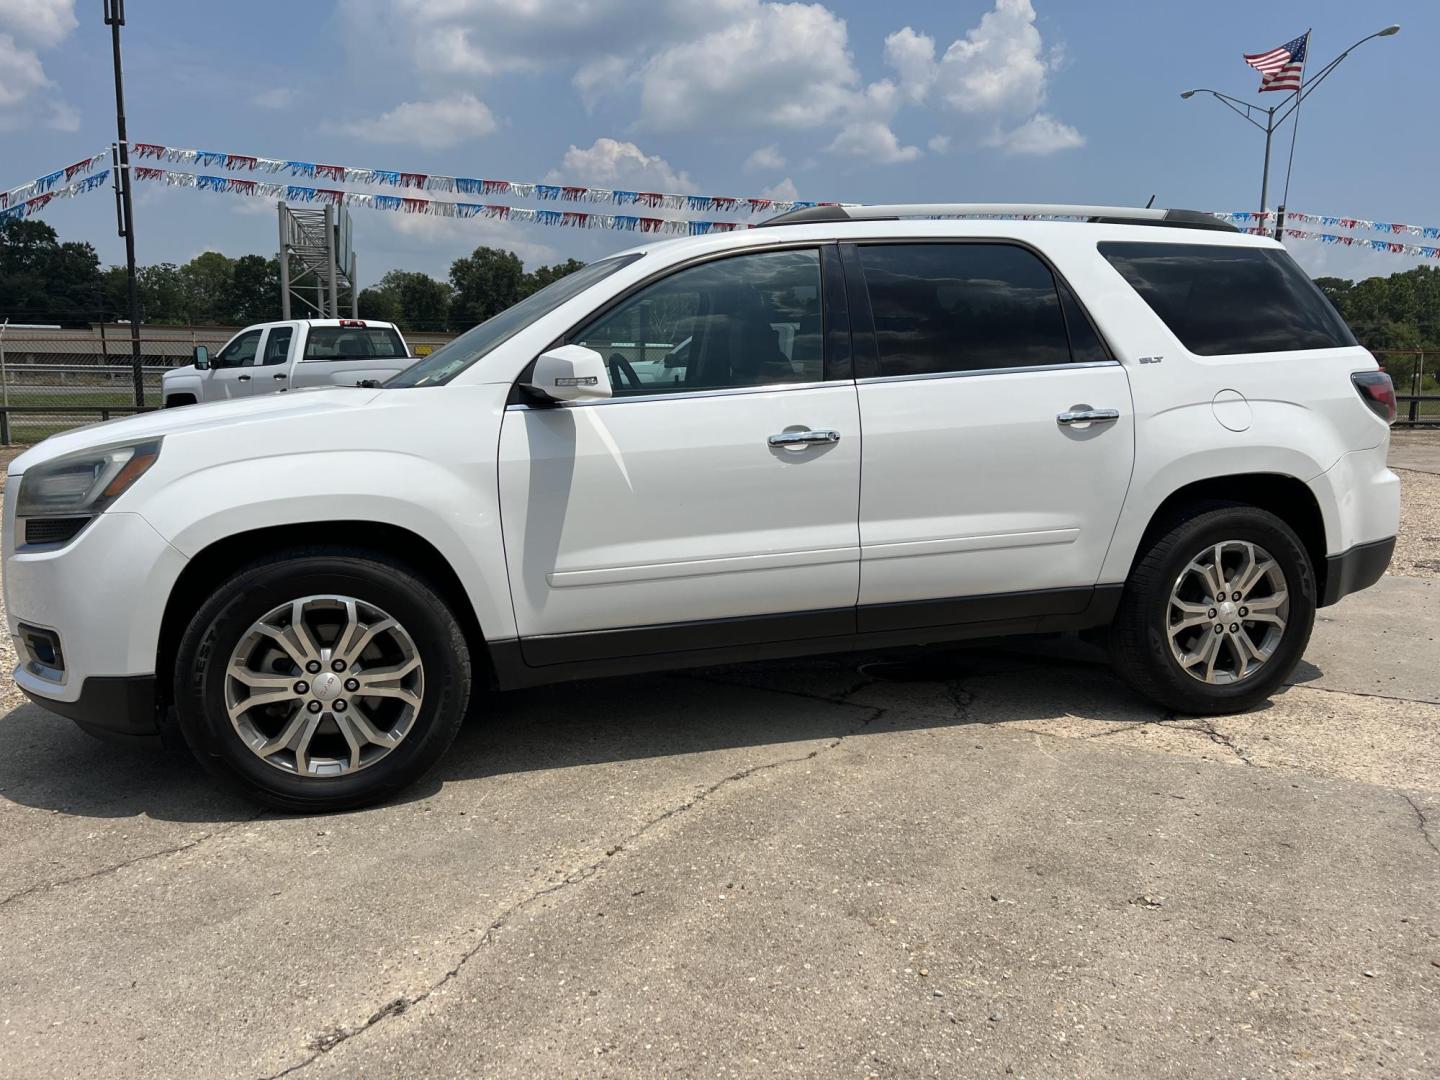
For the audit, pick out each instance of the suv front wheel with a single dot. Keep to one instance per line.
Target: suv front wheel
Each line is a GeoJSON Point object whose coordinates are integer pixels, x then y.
{"type": "Point", "coordinates": [1217, 612]}
{"type": "Point", "coordinates": [322, 680]}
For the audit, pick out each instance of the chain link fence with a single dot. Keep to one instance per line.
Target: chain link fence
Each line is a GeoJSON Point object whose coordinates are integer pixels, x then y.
{"type": "Point", "coordinates": [53, 380]}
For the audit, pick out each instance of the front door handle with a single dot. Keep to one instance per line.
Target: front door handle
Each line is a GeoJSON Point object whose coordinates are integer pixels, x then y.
{"type": "Point", "coordinates": [280, 377]}
{"type": "Point", "coordinates": [799, 440]}
{"type": "Point", "coordinates": [243, 378]}
{"type": "Point", "coordinates": [1089, 416]}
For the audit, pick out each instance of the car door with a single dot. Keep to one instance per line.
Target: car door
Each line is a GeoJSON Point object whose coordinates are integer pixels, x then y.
{"type": "Point", "coordinates": [274, 370]}
{"type": "Point", "coordinates": [999, 435]}
{"type": "Point", "coordinates": [712, 500]}
{"type": "Point", "coordinates": [232, 373]}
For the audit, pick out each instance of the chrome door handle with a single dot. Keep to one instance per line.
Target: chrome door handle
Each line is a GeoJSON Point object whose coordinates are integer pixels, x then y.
{"type": "Point", "coordinates": [1089, 416]}
{"type": "Point", "coordinates": [798, 440]}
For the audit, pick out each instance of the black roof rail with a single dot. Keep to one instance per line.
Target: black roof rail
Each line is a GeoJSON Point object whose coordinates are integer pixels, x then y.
{"type": "Point", "coordinates": [1108, 215]}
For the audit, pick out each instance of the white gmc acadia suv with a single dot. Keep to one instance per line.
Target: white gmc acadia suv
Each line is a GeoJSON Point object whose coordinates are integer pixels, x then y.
{"type": "Point", "coordinates": [860, 427]}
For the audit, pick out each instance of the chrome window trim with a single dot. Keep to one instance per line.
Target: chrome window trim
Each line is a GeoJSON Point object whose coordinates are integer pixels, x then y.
{"type": "Point", "coordinates": [873, 379]}
{"type": "Point", "coordinates": [723, 391]}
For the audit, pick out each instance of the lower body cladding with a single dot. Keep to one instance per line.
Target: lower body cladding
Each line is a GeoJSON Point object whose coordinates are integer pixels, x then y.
{"type": "Point", "coordinates": [87, 640]}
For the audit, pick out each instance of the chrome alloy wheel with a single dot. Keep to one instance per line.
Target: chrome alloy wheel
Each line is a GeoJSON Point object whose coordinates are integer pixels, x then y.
{"type": "Point", "coordinates": [324, 686]}
{"type": "Point", "coordinates": [1227, 612]}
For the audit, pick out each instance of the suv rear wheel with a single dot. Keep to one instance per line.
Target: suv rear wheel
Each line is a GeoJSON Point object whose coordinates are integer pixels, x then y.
{"type": "Point", "coordinates": [322, 680]}
{"type": "Point", "coordinates": [1217, 612]}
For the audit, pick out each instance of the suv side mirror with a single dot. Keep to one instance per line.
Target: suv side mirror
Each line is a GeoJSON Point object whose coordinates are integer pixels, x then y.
{"type": "Point", "coordinates": [569, 373]}
{"type": "Point", "coordinates": [201, 358]}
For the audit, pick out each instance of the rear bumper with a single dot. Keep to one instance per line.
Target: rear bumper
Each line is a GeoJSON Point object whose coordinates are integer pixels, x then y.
{"type": "Point", "coordinates": [1358, 568]}
{"type": "Point", "coordinates": [119, 707]}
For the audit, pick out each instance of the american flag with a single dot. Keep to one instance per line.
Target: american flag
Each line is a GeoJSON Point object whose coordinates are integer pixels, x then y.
{"type": "Point", "coordinates": [1282, 68]}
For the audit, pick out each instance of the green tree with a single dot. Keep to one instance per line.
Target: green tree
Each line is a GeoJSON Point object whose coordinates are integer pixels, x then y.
{"type": "Point", "coordinates": [255, 289]}
{"type": "Point", "coordinates": [486, 283]}
{"type": "Point", "coordinates": [209, 281]}
{"type": "Point", "coordinates": [410, 299]}
{"type": "Point", "coordinates": [541, 276]}
{"type": "Point", "coordinates": [380, 303]}
{"type": "Point", "coordinates": [44, 280]}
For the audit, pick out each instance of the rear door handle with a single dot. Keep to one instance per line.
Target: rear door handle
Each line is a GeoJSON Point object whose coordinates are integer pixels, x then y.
{"type": "Point", "coordinates": [798, 440]}
{"type": "Point", "coordinates": [1089, 416]}
{"type": "Point", "coordinates": [279, 377]}
{"type": "Point", "coordinates": [243, 378]}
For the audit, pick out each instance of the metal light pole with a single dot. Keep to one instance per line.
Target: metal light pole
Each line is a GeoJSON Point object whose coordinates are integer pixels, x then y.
{"type": "Point", "coordinates": [115, 19]}
{"type": "Point", "coordinates": [1247, 111]}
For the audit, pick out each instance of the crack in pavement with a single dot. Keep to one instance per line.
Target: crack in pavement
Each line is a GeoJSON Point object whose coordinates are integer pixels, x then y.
{"type": "Point", "coordinates": [325, 1042]}
{"type": "Point", "coordinates": [105, 871]}
{"type": "Point", "coordinates": [1360, 693]}
{"type": "Point", "coordinates": [1421, 822]}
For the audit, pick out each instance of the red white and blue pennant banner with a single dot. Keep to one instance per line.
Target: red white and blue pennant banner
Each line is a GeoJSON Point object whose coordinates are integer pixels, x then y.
{"type": "Point", "coordinates": [42, 185]}
{"type": "Point", "coordinates": [1248, 217]}
{"type": "Point", "coordinates": [33, 205]}
{"type": "Point", "coordinates": [466, 185]}
{"type": "Point", "coordinates": [300, 193]}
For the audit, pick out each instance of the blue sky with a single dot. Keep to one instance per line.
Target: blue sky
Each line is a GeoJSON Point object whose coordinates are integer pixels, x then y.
{"type": "Point", "coordinates": [970, 100]}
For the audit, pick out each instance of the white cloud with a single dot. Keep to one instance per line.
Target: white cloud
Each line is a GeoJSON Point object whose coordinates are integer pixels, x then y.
{"type": "Point", "coordinates": [44, 23]}
{"type": "Point", "coordinates": [766, 157]}
{"type": "Point", "coordinates": [28, 97]}
{"type": "Point", "coordinates": [599, 78]}
{"type": "Point", "coordinates": [775, 66]}
{"type": "Point", "coordinates": [874, 141]}
{"type": "Point", "coordinates": [614, 164]}
{"type": "Point", "coordinates": [277, 97]}
{"type": "Point", "coordinates": [939, 144]}
{"type": "Point", "coordinates": [912, 55]}
{"type": "Point", "coordinates": [431, 124]}
{"type": "Point", "coordinates": [784, 191]}
{"type": "Point", "coordinates": [999, 66]}
{"type": "Point", "coordinates": [1041, 134]}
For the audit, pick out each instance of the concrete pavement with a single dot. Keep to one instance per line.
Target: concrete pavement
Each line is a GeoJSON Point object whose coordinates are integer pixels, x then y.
{"type": "Point", "coordinates": [934, 863]}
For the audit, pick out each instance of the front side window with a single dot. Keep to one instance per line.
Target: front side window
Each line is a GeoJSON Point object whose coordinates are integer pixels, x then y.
{"type": "Point", "coordinates": [240, 352]}
{"type": "Point", "coordinates": [352, 343]}
{"type": "Point", "coordinates": [1222, 299]}
{"type": "Point", "coordinates": [746, 320]}
{"type": "Point", "coordinates": [943, 308]}
{"type": "Point", "coordinates": [277, 346]}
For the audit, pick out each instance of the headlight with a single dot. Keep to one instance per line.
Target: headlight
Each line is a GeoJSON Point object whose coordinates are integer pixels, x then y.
{"type": "Point", "coordinates": [83, 483]}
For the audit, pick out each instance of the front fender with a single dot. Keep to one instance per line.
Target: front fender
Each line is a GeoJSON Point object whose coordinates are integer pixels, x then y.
{"type": "Point", "coordinates": [452, 509]}
{"type": "Point", "coordinates": [182, 384]}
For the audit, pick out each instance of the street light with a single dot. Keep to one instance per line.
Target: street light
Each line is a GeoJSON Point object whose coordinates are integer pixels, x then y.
{"type": "Point", "coordinates": [1246, 111]}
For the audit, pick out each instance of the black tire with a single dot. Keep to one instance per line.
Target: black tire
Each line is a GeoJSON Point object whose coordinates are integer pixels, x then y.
{"type": "Point", "coordinates": [217, 628]}
{"type": "Point", "coordinates": [1139, 642]}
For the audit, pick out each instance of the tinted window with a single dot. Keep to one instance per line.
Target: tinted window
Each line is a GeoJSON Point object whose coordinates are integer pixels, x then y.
{"type": "Point", "coordinates": [449, 360]}
{"type": "Point", "coordinates": [1085, 344]}
{"type": "Point", "coordinates": [962, 307]}
{"type": "Point", "coordinates": [240, 352]}
{"type": "Point", "coordinates": [352, 343]}
{"type": "Point", "coordinates": [743, 321]}
{"type": "Point", "coordinates": [277, 345]}
{"type": "Point", "coordinates": [1219, 300]}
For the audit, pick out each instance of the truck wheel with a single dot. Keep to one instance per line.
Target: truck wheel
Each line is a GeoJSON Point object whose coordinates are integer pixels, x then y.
{"type": "Point", "coordinates": [322, 680]}
{"type": "Point", "coordinates": [1217, 612]}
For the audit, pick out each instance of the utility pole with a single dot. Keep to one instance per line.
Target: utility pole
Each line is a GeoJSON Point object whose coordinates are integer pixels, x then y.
{"type": "Point", "coordinates": [115, 19]}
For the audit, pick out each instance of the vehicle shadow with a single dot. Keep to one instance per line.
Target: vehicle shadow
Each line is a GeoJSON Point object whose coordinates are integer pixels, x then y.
{"type": "Point", "coordinates": [47, 763]}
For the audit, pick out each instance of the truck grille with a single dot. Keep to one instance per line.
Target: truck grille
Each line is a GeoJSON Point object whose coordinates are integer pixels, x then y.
{"type": "Point", "coordinates": [53, 530]}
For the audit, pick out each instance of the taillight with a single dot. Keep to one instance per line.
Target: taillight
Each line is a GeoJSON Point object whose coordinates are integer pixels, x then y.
{"type": "Point", "coordinates": [1377, 391]}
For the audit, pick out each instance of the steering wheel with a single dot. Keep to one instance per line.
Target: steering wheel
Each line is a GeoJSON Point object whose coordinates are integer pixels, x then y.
{"type": "Point", "coordinates": [622, 374]}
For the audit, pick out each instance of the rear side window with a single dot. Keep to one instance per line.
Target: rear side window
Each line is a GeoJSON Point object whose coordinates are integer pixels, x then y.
{"type": "Point", "coordinates": [962, 307]}
{"type": "Point", "coordinates": [1220, 300]}
{"type": "Point", "coordinates": [352, 343]}
{"type": "Point", "coordinates": [277, 345]}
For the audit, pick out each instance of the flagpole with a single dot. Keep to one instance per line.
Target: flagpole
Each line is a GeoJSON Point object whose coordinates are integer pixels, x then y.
{"type": "Point", "coordinates": [1290, 163]}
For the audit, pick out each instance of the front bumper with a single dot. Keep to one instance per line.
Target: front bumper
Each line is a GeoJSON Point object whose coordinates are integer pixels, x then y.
{"type": "Point", "coordinates": [103, 596]}
{"type": "Point", "coordinates": [121, 708]}
{"type": "Point", "coordinates": [1358, 568]}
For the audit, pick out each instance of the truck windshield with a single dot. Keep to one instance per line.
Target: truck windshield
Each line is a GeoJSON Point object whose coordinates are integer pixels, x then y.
{"type": "Point", "coordinates": [352, 343]}
{"type": "Point", "coordinates": [449, 360]}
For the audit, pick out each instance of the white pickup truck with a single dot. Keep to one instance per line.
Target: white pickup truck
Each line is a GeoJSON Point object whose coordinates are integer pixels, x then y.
{"type": "Point", "coordinates": [269, 357]}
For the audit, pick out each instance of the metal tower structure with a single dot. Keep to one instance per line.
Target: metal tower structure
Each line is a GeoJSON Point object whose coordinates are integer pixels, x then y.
{"type": "Point", "coordinates": [318, 242]}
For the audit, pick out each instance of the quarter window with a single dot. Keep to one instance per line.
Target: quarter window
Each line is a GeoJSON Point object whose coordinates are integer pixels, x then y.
{"type": "Point", "coordinates": [747, 320]}
{"type": "Point", "coordinates": [1224, 299]}
{"type": "Point", "coordinates": [942, 308]}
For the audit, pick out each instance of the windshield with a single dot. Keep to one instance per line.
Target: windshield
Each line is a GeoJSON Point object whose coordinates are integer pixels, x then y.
{"type": "Point", "coordinates": [449, 360]}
